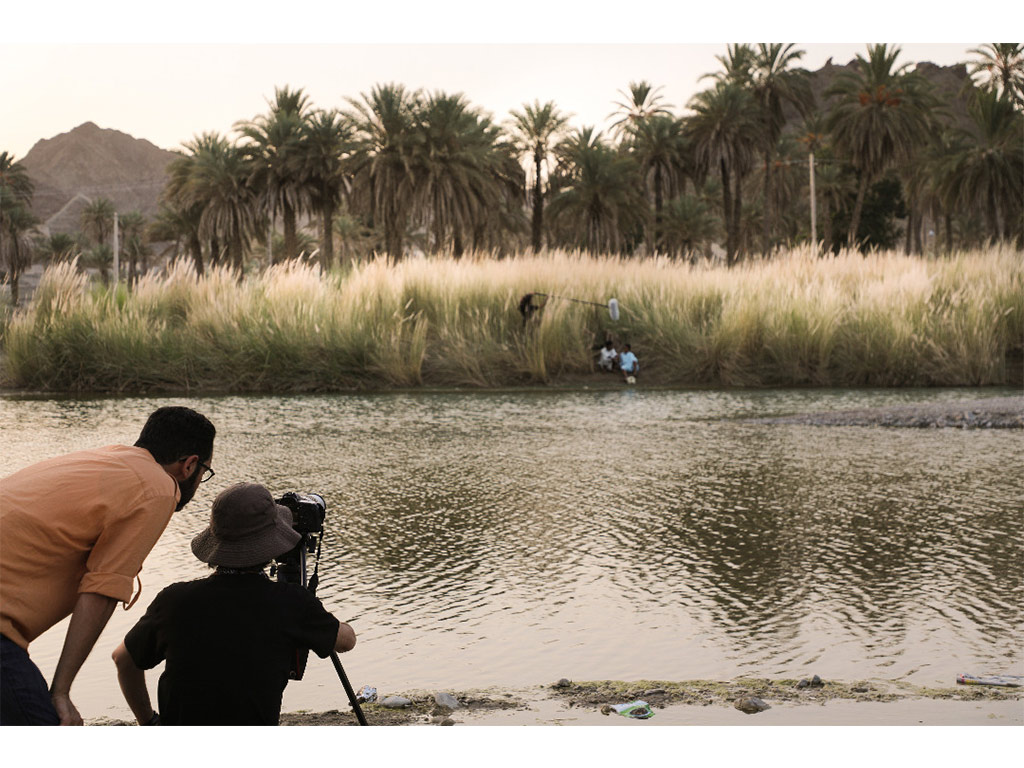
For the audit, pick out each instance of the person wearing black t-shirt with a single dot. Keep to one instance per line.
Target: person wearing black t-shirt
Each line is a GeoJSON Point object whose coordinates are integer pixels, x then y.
{"type": "Point", "coordinates": [229, 640]}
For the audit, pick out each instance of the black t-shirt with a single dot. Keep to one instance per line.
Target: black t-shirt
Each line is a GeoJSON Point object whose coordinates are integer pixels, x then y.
{"type": "Point", "coordinates": [229, 641]}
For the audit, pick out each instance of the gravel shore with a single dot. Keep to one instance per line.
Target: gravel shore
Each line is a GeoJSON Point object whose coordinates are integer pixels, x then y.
{"type": "Point", "coordinates": [692, 702]}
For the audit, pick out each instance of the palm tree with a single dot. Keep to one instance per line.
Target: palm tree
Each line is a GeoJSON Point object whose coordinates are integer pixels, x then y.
{"type": "Point", "coordinates": [987, 168]}
{"type": "Point", "coordinates": [381, 162]}
{"type": "Point", "coordinates": [180, 226]}
{"type": "Point", "coordinates": [219, 184]}
{"type": "Point", "coordinates": [16, 220]}
{"type": "Point", "coordinates": [98, 220]}
{"type": "Point", "coordinates": [16, 227]}
{"type": "Point", "coordinates": [774, 85]}
{"type": "Point", "coordinates": [639, 105]}
{"type": "Point", "coordinates": [881, 113]}
{"type": "Point", "coordinates": [724, 133]}
{"type": "Point", "coordinates": [737, 65]}
{"type": "Point", "coordinates": [59, 246]}
{"type": "Point", "coordinates": [328, 145]}
{"type": "Point", "coordinates": [598, 200]}
{"type": "Point", "coordinates": [274, 150]}
{"type": "Point", "coordinates": [181, 209]}
{"type": "Point", "coordinates": [535, 131]}
{"type": "Point", "coordinates": [101, 258]}
{"type": "Point", "coordinates": [789, 203]}
{"type": "Point", "coordinates": [659, 146]}
{"type": "Point", "coordinates": [1000, 68]}
{"type": "Point", "coordinates": [15, 185]}
{"type": "Point", "coordinates": [133, 243]}
{"type": "Point", "coordinates": [452, 168]}
{"type": "Point", "coordinates": [690, 225]}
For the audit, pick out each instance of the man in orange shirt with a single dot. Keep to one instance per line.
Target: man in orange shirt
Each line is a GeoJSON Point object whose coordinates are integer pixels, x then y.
{"type": "Point", "coordinates": [74, 531]}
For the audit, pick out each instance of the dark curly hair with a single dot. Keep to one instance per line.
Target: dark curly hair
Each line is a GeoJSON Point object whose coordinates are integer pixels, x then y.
{"type": "Point", "coordinates": [173, 432]}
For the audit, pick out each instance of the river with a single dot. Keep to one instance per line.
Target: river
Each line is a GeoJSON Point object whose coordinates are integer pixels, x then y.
{"type": "Point", "coordinates": [515, 538]}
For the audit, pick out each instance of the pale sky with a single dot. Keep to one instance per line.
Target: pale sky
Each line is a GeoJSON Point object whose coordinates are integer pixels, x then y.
{"type": "Point", "coordinates": [159, 75]}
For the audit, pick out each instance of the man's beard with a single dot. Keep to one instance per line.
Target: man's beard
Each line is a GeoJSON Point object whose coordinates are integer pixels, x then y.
{"type": "Point", "coordinates": [188, 489]}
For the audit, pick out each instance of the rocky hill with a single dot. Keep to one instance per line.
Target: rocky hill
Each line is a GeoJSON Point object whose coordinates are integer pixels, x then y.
{"type": "Point", "coordinates": [88, 163]}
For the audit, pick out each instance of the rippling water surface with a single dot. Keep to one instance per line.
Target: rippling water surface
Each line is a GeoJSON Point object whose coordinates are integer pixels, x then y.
{"type": "Point", "coordinates": [515, 538]}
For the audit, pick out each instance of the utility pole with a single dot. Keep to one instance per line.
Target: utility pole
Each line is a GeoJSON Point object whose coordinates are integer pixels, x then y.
{"type": "Point", "coordinates": [117, 260]}
{"type": "Point", "coordinates": [814, 205]}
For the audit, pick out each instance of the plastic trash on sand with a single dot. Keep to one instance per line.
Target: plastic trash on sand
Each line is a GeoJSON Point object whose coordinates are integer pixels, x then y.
{"type": "Point", "coordinates": [1009, 681]}
{"type": "Point", "coordinates": [638, 709]}
{"type": "Point", "coordinates": [366, 694]}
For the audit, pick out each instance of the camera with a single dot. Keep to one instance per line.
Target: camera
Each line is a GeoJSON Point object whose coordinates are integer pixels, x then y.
{"type": "Point", "coordinates": [308, 511]}
{"type": "Point", "coordinates": [308, 514]}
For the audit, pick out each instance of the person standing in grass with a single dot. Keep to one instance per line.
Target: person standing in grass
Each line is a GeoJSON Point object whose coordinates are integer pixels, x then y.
{"type": "Point", "coordinates": [628, 364]}
{"type": "Point", "coordinates": [230, 639]}
{"type": "Point", "coordinates": [74, 531]}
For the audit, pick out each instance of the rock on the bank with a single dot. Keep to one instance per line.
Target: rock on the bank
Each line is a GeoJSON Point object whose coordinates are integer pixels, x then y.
{"type": "Point", "coordinates": [396, 702]}
{"type": "Point", "coordinates": [751, 705]}
{"type": "Point", "coordinates": [446, 700]}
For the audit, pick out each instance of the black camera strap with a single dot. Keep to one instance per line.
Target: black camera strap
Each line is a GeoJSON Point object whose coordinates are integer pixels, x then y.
{"type": "Point", "coordinates": [314, 579]}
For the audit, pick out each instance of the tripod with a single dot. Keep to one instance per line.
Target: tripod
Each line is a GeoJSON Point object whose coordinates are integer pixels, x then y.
{"type": "Point", "coordinates": [292, 568]}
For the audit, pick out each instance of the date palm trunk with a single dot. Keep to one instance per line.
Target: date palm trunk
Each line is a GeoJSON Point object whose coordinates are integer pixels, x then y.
{"type": "Point", "coordinates": [537, 226]}
{"type": "Point", "coordinates": [766, 224]}
{"type": "Point", "coordinates": [737, 217]}
{"type": "Point", "coordinates": [909, 231]}
{"type": "Point", "coordinates": [727, 211]}
{"type": "Point", "coordinates": [858, 207]}
{"type": "Point", "coordinates": [196, 249]}
{"type": "Point", "coordinates": [291, 243]}
{"type": "Point", "coordinates": [215, 254]}
{"type": "Point", "coordinates": [327, 233]}
{"type": "Point", "coordinates": [826, 222]}
{"type": "Point", "coordinates": [235, 254]}
{"type": "Point", "coordinates": [659, 202]}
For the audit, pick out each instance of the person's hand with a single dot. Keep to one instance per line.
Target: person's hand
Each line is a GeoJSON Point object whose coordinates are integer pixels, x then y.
{"type": "Point", "coordinates": [66, 710]}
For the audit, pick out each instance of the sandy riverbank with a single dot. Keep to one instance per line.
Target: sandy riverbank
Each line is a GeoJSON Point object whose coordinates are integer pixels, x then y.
{"type": "Point", "coordinates": [694, 702]}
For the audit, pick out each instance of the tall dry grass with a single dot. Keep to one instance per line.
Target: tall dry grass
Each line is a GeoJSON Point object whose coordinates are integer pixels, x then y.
{"type": "Point", "coordinates": [880, 320]}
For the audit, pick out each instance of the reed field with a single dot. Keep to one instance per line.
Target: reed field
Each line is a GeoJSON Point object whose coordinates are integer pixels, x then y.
{"type": "Point", "coordinates": [882, 320]}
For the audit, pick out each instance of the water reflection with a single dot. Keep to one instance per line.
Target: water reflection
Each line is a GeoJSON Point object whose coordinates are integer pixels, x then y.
{"type": "Point", "coordinates": [521, 537]}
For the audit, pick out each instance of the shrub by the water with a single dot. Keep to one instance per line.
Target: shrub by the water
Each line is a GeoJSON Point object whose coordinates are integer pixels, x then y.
{"type": "Point", "coordinates": [880, 320]}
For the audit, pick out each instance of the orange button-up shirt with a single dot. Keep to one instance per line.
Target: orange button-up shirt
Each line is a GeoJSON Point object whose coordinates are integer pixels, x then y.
{"type": "Point", "coordinates": [83, 522]}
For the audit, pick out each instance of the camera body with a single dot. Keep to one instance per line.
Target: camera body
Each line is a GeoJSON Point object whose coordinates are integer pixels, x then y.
{"type": "Point", "coordinates": [308, 511]}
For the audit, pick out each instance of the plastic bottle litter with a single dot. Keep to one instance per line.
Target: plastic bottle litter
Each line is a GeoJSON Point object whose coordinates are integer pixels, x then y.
{"type": "Point", "coordinates": [366, 694]}
{"type": "Point", "coordinates": [638, 709]}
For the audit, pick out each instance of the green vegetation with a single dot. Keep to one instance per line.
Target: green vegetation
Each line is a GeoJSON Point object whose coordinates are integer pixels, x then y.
{"type": "Point", "coordinates": [401, 172]}
{"type": "Point", "coordinates": [880, 320]}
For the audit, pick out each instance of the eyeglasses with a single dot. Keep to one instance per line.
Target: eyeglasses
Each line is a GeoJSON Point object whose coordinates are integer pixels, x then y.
{"type": "Point", "coordinates": [208, 473]}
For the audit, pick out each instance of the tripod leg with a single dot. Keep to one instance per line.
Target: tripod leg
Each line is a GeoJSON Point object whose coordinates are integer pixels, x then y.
{"type": "Point", "coordinates": [348, 688]}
